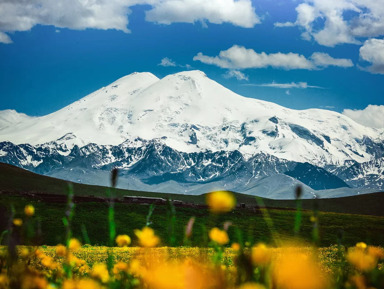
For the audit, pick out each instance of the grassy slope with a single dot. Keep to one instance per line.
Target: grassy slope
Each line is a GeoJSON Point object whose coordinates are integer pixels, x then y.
{"type": "Point", "coordinates": [129, 216]}
{"type": "Point", "coordinates": [253, 224]}
{"type": "Point", "coordinates": [14, 179]}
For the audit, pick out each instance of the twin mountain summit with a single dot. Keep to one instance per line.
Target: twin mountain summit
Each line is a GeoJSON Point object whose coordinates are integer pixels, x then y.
{"type": "Point", "coordinates": [185, 133]}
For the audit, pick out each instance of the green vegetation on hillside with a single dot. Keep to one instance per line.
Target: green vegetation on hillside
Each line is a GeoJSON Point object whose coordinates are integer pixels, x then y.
{"type": "Point", "coordinates": [17, 180]}
{"type": "Point", "coordinates": [252, 223]}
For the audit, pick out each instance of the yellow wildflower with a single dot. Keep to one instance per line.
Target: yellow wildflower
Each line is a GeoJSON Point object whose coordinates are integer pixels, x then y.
{"type": "Point", "coordinates": [147, 237]}
{"type": "Point", "coordinates": [361, 245]}
{"type": "Point", "coordinates": [123, 240]}
{"type": "Point", "coordinates": [24, 252]}
{"type": "Point", "coordinates": [34, 282]}
{"type": "Point", "coordinates": [294, 270]}
{"type": "Point", "coordinates": [18, 222]}
{"type": "Point", "coordinates": [235, 246]}
{"type": "Point", "coordinates": [61, 250]}
{"type": "Point", "coordinates": [120, 267]}
{"type": "Point", "coordinates": [74, 244]}
{"type": "Point", "coordinates": [180, 275]}
{"type": "Point", "coordinates": [313, 219]}
{"type": "Point", "coordinates": [251, 285]}
{"type": "Point", "coordinates": [84, 269]}
{"type": "Point", "coordinates": [359, 282]}
{"type": "Point", "coordinates": [74, 261]}
{"type": "Point", "coordinates": [81, 284]}
{"type": "Point", "coordinates": [135, 267]}
{"type": "Point", "coordinates": [361, 259]}
{"type": "Point", "coordinates": [221, 201]}
{"type": "Point", "coordinates": [39, 253]}
{"type": "Point", "coordinates": [4, 281]}
{"type": "Point", "coordinates": [376, 252]}
{"type": "Point", "coordinates": [47, 261]}
{"type": "Point", "coordinates": [260, 255]}
{"type": "Point", "coordinates": [29, 210]}
{"type": "Point", "coordinates": [218, 236]}
{"type": "Point", "coordinates": [100, 271]}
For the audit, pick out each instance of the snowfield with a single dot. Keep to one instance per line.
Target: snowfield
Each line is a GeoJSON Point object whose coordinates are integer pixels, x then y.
{"type": "Point", "coordinates": [190, 113]}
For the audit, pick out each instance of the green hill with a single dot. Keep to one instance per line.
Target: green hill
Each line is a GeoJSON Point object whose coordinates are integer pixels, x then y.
{"type": "Point", "coordinates": [19, 187]}
{"type": "Point", "coordinates": [17, 180]}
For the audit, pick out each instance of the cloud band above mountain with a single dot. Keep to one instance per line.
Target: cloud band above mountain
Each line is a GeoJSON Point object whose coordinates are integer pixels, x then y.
{"type": "Point", "coordinates": [239, 57]}
{"type": "Point", "coordinates": [302, 85]}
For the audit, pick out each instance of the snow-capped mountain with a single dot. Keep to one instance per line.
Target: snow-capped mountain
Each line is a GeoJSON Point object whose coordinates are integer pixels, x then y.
{"type": "Point", "coordinates": [188, 130]}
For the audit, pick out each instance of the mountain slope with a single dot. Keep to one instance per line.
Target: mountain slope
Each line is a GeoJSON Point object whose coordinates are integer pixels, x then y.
{"type": "Point", "coordinates": [191, 113]}
{"type": "Point", "coordinates": [187, 133]}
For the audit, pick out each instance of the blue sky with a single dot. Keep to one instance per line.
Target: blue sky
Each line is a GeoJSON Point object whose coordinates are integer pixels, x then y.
{"type": "Point", "coordinates": [299, 54]}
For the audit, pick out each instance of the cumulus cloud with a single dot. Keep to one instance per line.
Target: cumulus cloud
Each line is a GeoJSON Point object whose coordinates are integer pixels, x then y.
{"type": "Point", "coordinates": [236, 74]}
{"type": "Point", "coordinates": [302, 85]}
{"type": "Point", "coordinates": [237, 12]}
{"type": "Point", "coordinates": [323, 60]}
{"type": "Point", "coordinates": [373, 52]}
{"type": "Point", "coordinates": [238, 57]}
{"type": "Point", "coordinates": [167, 62]}
{"type": "Point", "coordinates": [372, 115]}
{"type": "Point", "coordinates": [22, 15]}
{"type": "Point", "coordinates": [331, 22]}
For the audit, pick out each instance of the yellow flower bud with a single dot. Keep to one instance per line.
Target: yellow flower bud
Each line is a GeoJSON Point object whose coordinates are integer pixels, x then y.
{"type": "Point", "coordinates": [261, 255]}
{"type": "Point", "coordinates": [219, 236]}
{"type": "Point", "coordinates": [221, 201]}
{"type": "Point", "coordinates": [18, 222]}
{"type": "Point", "coordinates": [147, 237]}
{"type": "Point", "coordinates": [235, 246]}
{"type": "Point", "coordinates": [61, 250]}
{"type": "Point", "coordinates": [361, 245]}
{"type": "Point", "coordinates": [100, 271]}
{"type": "Point", "coordinates": [29, 210]}
{"type": "Point", "coordinates": [123, 240]}
{"type": "Point", "coordinates": [74, 244]}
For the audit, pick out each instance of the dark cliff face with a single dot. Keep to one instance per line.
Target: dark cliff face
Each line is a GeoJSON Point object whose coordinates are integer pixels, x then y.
{"type": "Point", "coordinates": [155, 163]}
{"type": "Point", "coordinates": [315, 177]}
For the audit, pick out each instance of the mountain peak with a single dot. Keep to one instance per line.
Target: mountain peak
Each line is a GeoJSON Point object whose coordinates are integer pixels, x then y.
{"type": "Point", "coordinates": [190, 112]}
{"type": "Point", "coordinates": [191, 73]}
{"type": "Point", "coordinates": [136, 76]}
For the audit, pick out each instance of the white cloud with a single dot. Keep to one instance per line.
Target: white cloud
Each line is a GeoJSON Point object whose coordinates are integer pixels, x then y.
{"type": "Point", "coordinates": [302, 85]}
{"type": "Point", "coordinates": [372, 115]}
{"type": "Point", "coordinates": [22, 15]}
{"type": "Point", "coordinates": [236, 74]}
{"type": "Point", "coordinates": [4, 38]}
{"type": "Point", "coordinates": [333, 22]}
{"type": "Point", "coordinates": [237, 12]}
{"type": "Point", "coordinates": [323, 60]}
{"type": "Point", "coordinates": [328, 107]}
{"type": "Point", "coordinates": [238, 57]}
{"type": "Point", "coordinates": [167, 62]}
{"type": "Point", "coordinates": [373, 51]}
